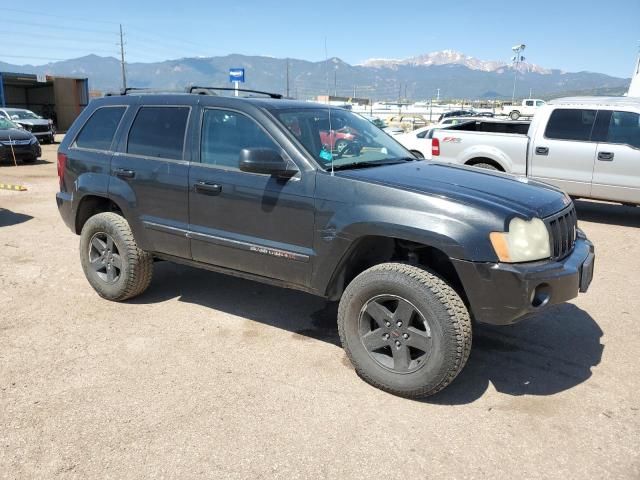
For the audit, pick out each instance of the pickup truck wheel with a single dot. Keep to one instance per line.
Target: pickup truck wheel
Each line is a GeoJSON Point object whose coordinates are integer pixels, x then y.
{"type": "Point", "coordinates": [405, 330]}
{"type": "Point", "coordinates": [486, 166]}
{"type": "Point", "coordinates": [417, 154]}
{"type": "Point", "coordinates": [515, 115]}
{"type": "Point", "coordinates": [112, 262]}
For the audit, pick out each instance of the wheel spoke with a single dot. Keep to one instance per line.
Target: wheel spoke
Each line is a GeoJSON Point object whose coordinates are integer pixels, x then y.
{"type": "Point", "coordinates": [97, 263]}
{"type": "Point", "coordinates": [116, 261]}
{"type": "Point", "coordinates": [403, 312]}
{"type": "Point", "coordinates": [98, 244]}
{"type": "Point", "coordinates": [111, 274]}
{"type": "Point", "coordinates": [109, 243]}
{"type": "Point", "coordinates": [418, 339]}
{"type": "Point", "coordinates": [401, 358]}
{"type": "Point", "coordinates": [379, 313]}
{"type": "Point", "coordinates": [373, 340]}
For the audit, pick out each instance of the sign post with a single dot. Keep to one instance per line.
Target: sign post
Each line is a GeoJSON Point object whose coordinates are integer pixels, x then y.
{"type": "Point", "coordinates": [236, 75]}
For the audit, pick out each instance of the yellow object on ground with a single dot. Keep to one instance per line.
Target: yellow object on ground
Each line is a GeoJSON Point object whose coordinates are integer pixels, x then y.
{"type": "Point", "coordinates": [8, 186]}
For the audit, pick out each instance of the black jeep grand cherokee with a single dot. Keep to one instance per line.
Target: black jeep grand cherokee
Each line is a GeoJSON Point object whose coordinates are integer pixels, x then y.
{"type": "Point", "coordinates": [252, 187]}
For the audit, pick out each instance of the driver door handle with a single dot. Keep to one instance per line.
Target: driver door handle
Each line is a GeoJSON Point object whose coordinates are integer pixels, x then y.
{"type": "Point", "coordinates": [124, 173]}
{"type": "Point", "coordinates": [605, 156]}
{"type": "Point", "coordinates": [542, 150]}
{"type": "Point", "coordinates": [208, 188]}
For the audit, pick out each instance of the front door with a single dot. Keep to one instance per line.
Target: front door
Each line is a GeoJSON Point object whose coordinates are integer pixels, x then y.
{"type": "Point", "coordinates": [150, 174]}
{"type": "Point", "coordinates": [616, 175]}
{"type": "Point", "coordinates": [564, 155]}
{"type": "Point", "coordinates": [249, 222]}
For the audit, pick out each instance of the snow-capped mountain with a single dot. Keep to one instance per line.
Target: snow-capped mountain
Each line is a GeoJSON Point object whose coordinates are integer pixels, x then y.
{"type": "Point", "coordinates": [451, 57]}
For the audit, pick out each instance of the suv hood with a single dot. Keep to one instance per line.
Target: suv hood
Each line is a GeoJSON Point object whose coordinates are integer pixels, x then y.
{"type": "Point", "coordinates": [470, 185]}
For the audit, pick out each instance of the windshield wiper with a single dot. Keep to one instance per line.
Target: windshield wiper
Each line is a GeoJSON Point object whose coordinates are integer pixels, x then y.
{"type": "Point", "coordinates": [378, 163]}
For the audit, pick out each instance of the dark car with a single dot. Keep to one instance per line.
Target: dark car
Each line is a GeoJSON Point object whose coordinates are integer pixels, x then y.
{"type": "Point", "coordinates": [42, 128]}
{"type": "Point", "coordinates": [17, 144]}
{"type": "Point", "coordinates": [413, 250]}
{"type": "Point", "coordinates": [456, 113]}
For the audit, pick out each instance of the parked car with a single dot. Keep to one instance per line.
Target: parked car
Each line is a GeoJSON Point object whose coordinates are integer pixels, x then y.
{"type": "Point", "coordinates": [43, 129]}
{"type": "Point", "coordinates": [244, 186]}
{"type": "Point", "coordinates": [407, 122]}
{"type": "Point", "coordinates": [527, 108]}
{"type": "Point", "coordinates": [380, 123]}
{"type": "Point", "coordinates": [16, 143]}
{"type": "Point", "coordinates": [418, 141]}
{"type": "Point", "coordinates": [587, 146]}
{"type": "Point", "coordinates": [456, 113]}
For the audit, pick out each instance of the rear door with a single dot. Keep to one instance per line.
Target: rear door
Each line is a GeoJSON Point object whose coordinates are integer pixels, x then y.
{"type": "Point", "coordinates": [616, 175]}
{"type": "Point", "coordinates": [150, 175]}
{"type": "Point", "coordinates": [563, 154]}
{"type": "Point", "coordinates": [249, 222]}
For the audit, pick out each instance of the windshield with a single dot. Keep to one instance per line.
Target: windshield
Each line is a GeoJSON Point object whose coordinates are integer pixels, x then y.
{"type": "Point", "coordinates": [6, 124]}
{"type": "Point", "coordinates": [348, 141]}
{"type": "Point", "coordinates": [22, 114]}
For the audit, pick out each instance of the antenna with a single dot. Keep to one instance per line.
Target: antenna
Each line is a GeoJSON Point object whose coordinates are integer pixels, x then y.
{"type": "Point", "coordinates": [326, 56]}
{"type": "Point", "coordinates": [122, 65]}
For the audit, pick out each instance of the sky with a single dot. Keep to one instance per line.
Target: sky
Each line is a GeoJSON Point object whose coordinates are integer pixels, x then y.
{"type": "Point", "coordinates": [571, 35]}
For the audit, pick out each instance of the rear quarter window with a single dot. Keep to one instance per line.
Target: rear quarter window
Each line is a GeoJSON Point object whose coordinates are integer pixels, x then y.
{"type": "Point", "coordinates": [98, 132]}
{"type": "Point", "coordinates": [570, 124]}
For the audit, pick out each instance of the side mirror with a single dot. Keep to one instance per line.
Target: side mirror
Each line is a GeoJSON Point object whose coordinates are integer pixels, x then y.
{"type": "Point", "coordinates": [265, 160]}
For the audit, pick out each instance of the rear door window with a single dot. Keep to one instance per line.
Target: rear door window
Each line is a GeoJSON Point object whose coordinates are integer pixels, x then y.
{"type": "Point", "coordinates": [624, 128]}
{"type": "Point", "coordinates": [159, 132]}
{"type": "Point", "coordinates": [570, 124]}
{"type": "Point", "coordinates": [98, 132]}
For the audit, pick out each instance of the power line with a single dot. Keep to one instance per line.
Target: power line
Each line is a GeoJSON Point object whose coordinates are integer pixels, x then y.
{"type": "Point", "coordinates": [62, 27]}
{"type": "Point", "coordinates": [64, 17]}
{"type": "Point", "coordinates": [58, 37]}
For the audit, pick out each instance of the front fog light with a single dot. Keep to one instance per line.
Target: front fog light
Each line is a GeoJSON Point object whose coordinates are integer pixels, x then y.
{"type": "Point", "coordinates": [525, 241]}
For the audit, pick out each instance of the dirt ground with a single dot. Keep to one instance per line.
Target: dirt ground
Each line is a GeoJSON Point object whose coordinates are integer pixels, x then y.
{"type": "Point", "coordinates": [207, 376]}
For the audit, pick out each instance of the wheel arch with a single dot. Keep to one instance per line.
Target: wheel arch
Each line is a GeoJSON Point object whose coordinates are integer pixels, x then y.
{"type": "Point", "coordinates": [476, 160]}
{"type": "Point", "coordinates": [370, 250]}
{"type": "Point", "coordinates": [91, 205]}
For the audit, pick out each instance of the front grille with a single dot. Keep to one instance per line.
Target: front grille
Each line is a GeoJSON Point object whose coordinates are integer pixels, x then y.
{"type": "Point", "coordinates": [40, 128]}
{"type": "Point", "coordinates": [562, 232]}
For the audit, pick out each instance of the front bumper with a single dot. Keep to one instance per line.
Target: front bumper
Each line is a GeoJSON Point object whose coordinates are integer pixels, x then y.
{"type": "Point", "coordinates": [32, 150]}
{"type": "Point", "coordinates": [502, 293]}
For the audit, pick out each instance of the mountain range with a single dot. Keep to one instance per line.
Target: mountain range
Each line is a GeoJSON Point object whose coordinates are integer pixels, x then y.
{"type": "Point", "coordinates": [455, 75]}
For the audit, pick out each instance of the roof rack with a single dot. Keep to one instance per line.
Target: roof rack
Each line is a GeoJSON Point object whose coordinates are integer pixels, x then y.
{"type": "Point", "coordinates": [191, 89]}
{"type": "Point", "coordinates": [126, 91]}
{"type": "Point", "coordinates": [203, 90]}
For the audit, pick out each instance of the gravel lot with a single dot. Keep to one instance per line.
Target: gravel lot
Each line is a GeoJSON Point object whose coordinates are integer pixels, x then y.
{"type": "Point", "coordinates": [207, 376]}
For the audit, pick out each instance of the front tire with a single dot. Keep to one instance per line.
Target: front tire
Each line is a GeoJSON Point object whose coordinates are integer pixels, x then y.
{"type": "Point", "coordinates": [405, 330]}
{"type": "Point", "coordinates": [515, 115]}
{"type": "Point", "coordinates": [112, 262]}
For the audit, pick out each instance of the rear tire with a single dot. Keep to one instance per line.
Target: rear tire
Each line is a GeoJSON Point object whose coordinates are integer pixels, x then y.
{"type": "Point", "coordinates": [112, 262]}
{"type": "Point", "coordinates": [515, 115]}
{"type": "Point", "coordinates": [486, 166]}
{"type": "Point", "coordinates": [405, 330]}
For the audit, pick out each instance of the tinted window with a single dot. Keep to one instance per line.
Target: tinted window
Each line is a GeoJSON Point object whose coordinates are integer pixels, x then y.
{"type": "Point", "coordinates": [539, 103]}
{"type": "Point", "coordinates": [225, 133]}
{"type": "Point", "coordinates": [159, 132]}
{"type": "Point", "coordinates": [529, 103]}
{"type": "Point", "coordinates": [624, 127]}
{"type": "Point", "coordinates": [570, 124]}
{"type": "Point", "coordinates": [99, 130]}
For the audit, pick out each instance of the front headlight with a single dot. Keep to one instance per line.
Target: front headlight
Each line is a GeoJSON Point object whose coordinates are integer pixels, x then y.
{"type": "Point", "coordinates": [525, 241]}
{"type": "Point", "coordinates": [33, 140]}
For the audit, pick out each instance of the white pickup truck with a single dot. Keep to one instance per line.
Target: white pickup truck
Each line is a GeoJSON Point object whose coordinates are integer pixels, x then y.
{"type": "Point", "coordinates": [588, 146]}
{"type": "Point", "coordinates": [527, 108]}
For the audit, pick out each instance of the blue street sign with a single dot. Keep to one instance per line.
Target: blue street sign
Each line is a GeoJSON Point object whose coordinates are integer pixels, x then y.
{"type": "Point", "coordinates": [236, 75]}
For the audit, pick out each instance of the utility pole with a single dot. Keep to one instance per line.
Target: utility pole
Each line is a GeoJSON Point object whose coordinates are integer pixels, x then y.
{"type": "Point", "coordinates": [516, 59]}
{"type": "Point", "coordinates": [287, 78]}
{"type": "Point", "coordinates": [355, 90]}
{"type": "Point", "coordinates": [335, 83]}
{"type": "Point", "coordinates": [438, 96]}
{"type": "Point", "coordinates": [399, 98]}
{"type": "Point", "coordinates": [124, 74]}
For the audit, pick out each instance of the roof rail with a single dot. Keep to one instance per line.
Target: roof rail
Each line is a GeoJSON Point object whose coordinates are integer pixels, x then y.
{"type": "Point", "coordinates": [203, 91]}
{"type": "Point", "coordinates": [128, 90]}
